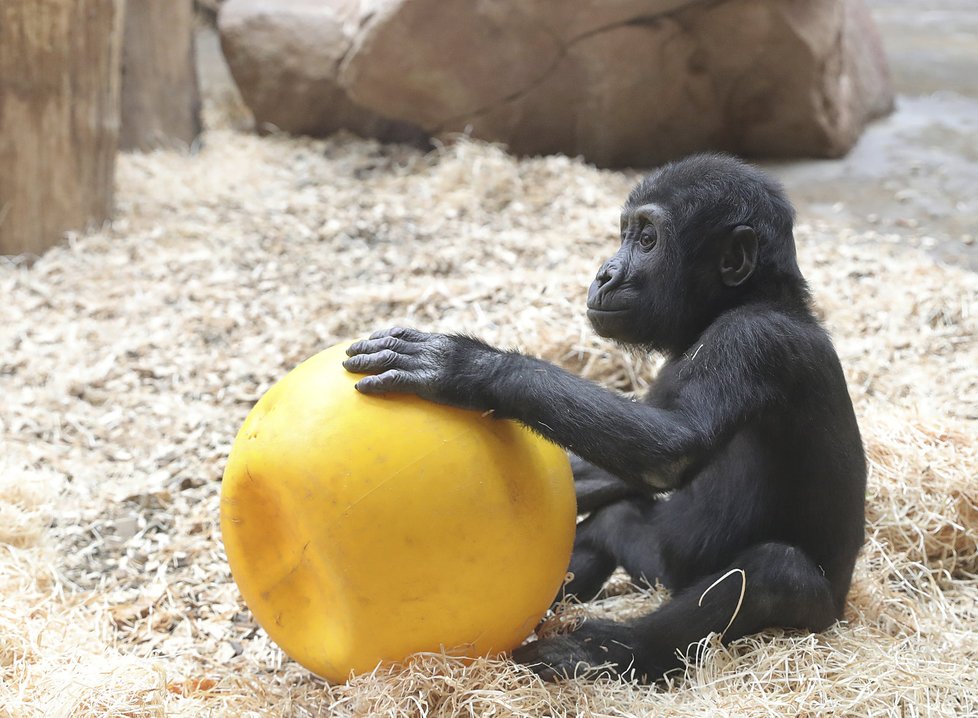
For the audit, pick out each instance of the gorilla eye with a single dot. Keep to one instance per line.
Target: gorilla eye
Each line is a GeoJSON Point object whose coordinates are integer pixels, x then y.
{"type": "Point", "coordinates": [648, 238]}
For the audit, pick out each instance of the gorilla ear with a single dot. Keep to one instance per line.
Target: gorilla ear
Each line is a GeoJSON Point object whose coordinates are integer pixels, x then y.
{"type": "Point", "coordinates": [739, 256]}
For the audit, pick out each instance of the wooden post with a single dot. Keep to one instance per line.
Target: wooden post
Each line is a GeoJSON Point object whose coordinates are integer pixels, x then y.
{"type": "Point", "coordinates": [160, 95]}
{"type": "Point", "coordinates": [59, 117]}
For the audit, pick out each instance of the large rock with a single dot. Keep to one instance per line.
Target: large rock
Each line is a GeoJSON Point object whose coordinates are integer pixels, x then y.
{"type": "Point", "coordinates": [284, 56]}
{"type": "Point", "coordinates": [622, 82]}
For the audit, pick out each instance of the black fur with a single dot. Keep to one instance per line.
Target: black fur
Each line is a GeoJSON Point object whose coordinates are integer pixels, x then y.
{"type": "Point", "coordinates": [748, 427]}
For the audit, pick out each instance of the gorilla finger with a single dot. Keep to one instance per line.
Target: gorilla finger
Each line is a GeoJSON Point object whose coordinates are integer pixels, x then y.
{"type": "Point", "coordinates": [375, 346]}
{"type": "Point", "coordinates": [545, 659]}
{"type": "Point", "coordinates": [405, 333]}
{"type": "Point", "coordinates": [385, 383]}
{"type": "Point", "coordinates": [529, 655]}
{"type": "Point", "coordinates": [546, 673]}
{"type": "Point", "coordinates": [374, 363]}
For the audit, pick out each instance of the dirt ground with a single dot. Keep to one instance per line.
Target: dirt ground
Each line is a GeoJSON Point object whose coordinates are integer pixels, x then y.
{"type": "Point", "coordinates": [129, 357]}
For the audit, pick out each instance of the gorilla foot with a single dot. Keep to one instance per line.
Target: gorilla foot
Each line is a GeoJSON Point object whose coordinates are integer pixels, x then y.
{"type": "Point", "coordinates": [597, 648]}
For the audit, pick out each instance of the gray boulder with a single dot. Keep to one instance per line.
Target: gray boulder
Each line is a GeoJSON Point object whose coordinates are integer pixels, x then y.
{"type": "Point", "coordinates": [621, 82]}
{"type": "Point", "coordinates": [284, 56]}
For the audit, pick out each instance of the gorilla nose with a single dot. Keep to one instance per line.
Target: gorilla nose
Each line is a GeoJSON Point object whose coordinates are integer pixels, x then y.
{"type": "Point", "coordinates": [604, 276]}
{"type": "Point", "coordinates": [604, 282]}
{"type": "Point", "coordinates": [607, 272]}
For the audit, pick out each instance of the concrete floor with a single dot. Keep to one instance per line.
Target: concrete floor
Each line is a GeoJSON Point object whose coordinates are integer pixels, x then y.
{"type": "Point", "coordinates": [914, 173]}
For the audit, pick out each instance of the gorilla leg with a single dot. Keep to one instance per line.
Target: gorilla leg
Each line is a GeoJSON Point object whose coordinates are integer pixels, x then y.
{"type": "Point", "coordinates": [619, 534]}
{"type": "Point", "coordinates": [768, 585]}
{"type": "Point", "coordinates": [596, 487]}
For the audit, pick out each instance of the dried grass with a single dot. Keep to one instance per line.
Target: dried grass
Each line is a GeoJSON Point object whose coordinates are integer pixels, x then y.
{"type": "Point", "coordinates": [129, 357]}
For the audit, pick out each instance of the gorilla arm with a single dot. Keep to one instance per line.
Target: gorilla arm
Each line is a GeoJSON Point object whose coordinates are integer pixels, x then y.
{"type": "Point", "coordinates": [657, 447]}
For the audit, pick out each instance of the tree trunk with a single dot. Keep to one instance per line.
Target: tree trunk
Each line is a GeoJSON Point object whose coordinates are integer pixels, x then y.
{"type": "Point", "coordinates": [59, 117]}
{"type": "Point", "coordinates": [160, 97]}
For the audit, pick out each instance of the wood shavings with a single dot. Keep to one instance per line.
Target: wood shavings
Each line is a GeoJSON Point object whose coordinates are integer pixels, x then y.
{"type": "Point", "coordinates": [129, 358]}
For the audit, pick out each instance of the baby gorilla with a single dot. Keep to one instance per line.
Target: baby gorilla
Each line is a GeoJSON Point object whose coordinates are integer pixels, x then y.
{"type": "Point", "coordinates": [748, 430]}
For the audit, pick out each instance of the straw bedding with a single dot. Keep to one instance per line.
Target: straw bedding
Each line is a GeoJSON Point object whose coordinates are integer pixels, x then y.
{"type": "Point", "coordinates": [129, 357]}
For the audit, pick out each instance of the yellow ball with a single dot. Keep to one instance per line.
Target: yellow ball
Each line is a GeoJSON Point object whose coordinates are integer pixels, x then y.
{"type": "Point", "coordinates": [363, 529]}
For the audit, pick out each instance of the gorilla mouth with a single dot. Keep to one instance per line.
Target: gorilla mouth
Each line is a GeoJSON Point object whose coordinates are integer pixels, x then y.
{"type": "Point", "coordinates": [610, 322]}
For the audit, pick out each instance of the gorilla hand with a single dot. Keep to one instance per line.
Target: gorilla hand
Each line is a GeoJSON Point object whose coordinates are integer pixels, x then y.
{"type": "Point", "coordinates": [438, 367]}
